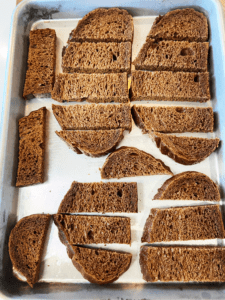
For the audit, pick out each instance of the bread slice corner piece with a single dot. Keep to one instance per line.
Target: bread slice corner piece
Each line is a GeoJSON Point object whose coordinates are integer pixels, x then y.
{"type": "Point", "coordinates": [26, 243]}
{"type": "Point", "coordinates": [130, 161]}
{"type": "Point", "coordinates": [188, 186]}
{"type": "Point", "coordinates": [100, 266]}
{"type": "Point", "coordinates": [180, 25]}
{"type": "Point", "coordinates": [185, 150]}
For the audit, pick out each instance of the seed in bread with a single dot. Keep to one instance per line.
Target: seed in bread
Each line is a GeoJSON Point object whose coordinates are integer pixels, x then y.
{"type": "Point", "coordinates": [91, 87]}
{"type": "Point", "coordinates": [170, 86]}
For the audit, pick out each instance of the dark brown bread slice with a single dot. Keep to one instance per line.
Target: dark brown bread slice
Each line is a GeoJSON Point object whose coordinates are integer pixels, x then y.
{"type": "Point", "coordinates": [130, 161]}
{"type": "Point", "coordinates": [170, 86]}
{"type": "Point", "coordinates": [91, 87]}
{"type": "Point", "coordinates": [81, 229]}
{"type": "Point", "coordinates": [100, 197]}
{"type": "Point", "coordinates": [93, 116]}
{"type": "Point", "coordinates": [183, 263]}
{"type": "Point", "coordinates": [101, 266]}
{"type": "Point", "coordinates": [41, 64]}
{"type": "Point", "coordinates": [97, 58]}
{"type": "Point", "coordinates": [188, 186]}
{"type": "Point", "coordinates": [170, 119]}
{"type": "Point", "coordinates": [172, 56]}
{"type": "Point", "coordinates": [180, 25]}
{"type": "Point", "coordinates": [26, 243]}
{"type": "Point", "coordinates": [106, 25]}
{"type": "Point", "coordinates": [183, 224]}
{"type": "Point", "coordinates": [185, 150]}
{"type": "Point", "coordinates": [31, 148]}
{"type": "Point", "coordinates": [94, 143]}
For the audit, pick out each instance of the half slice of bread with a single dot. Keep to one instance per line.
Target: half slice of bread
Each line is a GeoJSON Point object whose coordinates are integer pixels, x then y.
{"type": "Point", "coordinates": [100, 266]}
{"type": "Point", "coordinates": [106, 25]}
{"type": "Point", "coordinates": [94, 143]}
{"type": "Point", "coordinates": [130, 161]}
{"type": "Point", "coordinates": [170, 119]}
{"type": "Point", "coordinates": [26, 243]}
{"type": "Point", "coordinates": [81, 229]}
{"type": "Point", "coordinates": [172, 56]}
{"type": "Point", "coordinates": [100, 197]}
{"type": "Point", "coordinates": [183, 263]}
{"type": "Point", "coordinates": [31, 148]}
{"type": "Point", "coordinates": [185, 150]}
{"type": "Point", "coordinates": [97, 58]}
{"type": "Point", "coordinates": [93, 116]}
{"type": "Point", "coordinates": [180, 25]}
{"type": "Point", "coordinates": [170, 86]}
{"type": "Point", "coordinates": [183, 224]}
{"type": "Point", "coordinates": [91, 87]}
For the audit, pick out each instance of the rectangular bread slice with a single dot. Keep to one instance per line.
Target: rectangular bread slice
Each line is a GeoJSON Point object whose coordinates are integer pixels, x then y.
{"type": "Point", "coordinates": [31, 148]}
{"type": "Point", "coordinates": [93, 116]}
{"type": "Point", "coordinates": [168, 119]}
{"type": "Point", "coordinates": [40, 64]}
{"type": "Point", "coordinates": [81, 229]}
{"type": "Point", "coordinates": [172, 56]}
{"type": "Point", "coordinates": [183, 263]}
{"type": "Point", "coordinates": [91, 87]}
{"type": "Point", "coordinates": [170, 86]}
{"type": "Point", "coordinates": [100, 197]}
{"type": "Point", "coordinates": [183, 224]}
{"type": "Point", "coordinates": [97, 57]}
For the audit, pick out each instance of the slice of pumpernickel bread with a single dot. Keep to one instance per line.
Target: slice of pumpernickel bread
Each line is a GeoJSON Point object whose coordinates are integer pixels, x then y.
{"type": "Point", "coordinates": [170, 86]}
{"type": "Point", "coordinates": [170, 119]}
{"type": "Point", "coordinates": [94, 143]}
{"type": "Point", "coordinates": [97, 58]}
{"type": "Point", "coordinates": [91, 87]}
{"type": "Point", "coordinates": [172, 56]}
{"type": "Point", "coordinates": [81, 229]}
{"type": "Point", "coordinates": [41, 64]}
{"type": "Point", "coordinates": [180, 25]}
{"type": "Point", "coordinates": [184, 223]}
{"type": "Point", "coordinates": [100, 197]}
{"type": "Point", "coordinates": [31, 148]}
{"type": "Point", "coordinates": [189, 186]}
{"type": "Point", "coordinates": [130, 161]}
{"type": "Point", "coordinates": [100, 266]}
{"type": "Point", "coordinates": [26, 243]}
{"type": "Point", "coordinates": [183, 263]}
{"type": "Point", "coordinates": [185, 150]}
{"type": "Point", "coordinates": [106, 25]}
{"type": "Point", "coordinates": [93, 116]}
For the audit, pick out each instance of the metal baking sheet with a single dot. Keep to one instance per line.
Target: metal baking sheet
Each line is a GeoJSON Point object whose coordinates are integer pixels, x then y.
{"type": "Point", "coordinates": [63, 165]}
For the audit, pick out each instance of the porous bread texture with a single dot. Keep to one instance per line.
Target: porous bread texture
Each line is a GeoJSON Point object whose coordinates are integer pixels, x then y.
{"type": "Point", "coordinates": [97, 58]}
{"type": "Point", "coordinates": [91, 87]}
{"type": "Point", "coordinates": [100, 197]}
{"type": "Point", "coordinates": [106, 25]}
{"type": "Point", "coordinates": [100, 266]}
{"type": "Point", "coordinates": [94, 143]}
{"type": "Point", "coordinates": [172, 56]}
{"type": "Point", "coordinates": [81, 229]}
{"type": "Point", "coordinates": [185, 150]}
{"type": "Point", "coordinates": [170, 86]}
{"type": "Point", "coordinates": [188, 186]}
{"type": "Point", "coordinates": [169, 119]}
{"type": "Point", "coordinates": [183, 263]}
{"type": "Point", "coordinates": [31, 148]}
{"type": "Point", "coordinates": [130, 161]}
{"type": "Point", "coordinates": [93, 116]}
{"type": "Point", "coordinates": [180, 25]}
{"type": "Point", "coordinates": [183, 224]}
{"type": "Point", "coordinates": [40, 64]}
{"type": "Point", "coordinates": [26, 243]}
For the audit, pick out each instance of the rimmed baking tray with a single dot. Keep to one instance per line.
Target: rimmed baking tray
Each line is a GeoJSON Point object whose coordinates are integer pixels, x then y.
{"type": "Point", "coordinates": [16, 203]}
